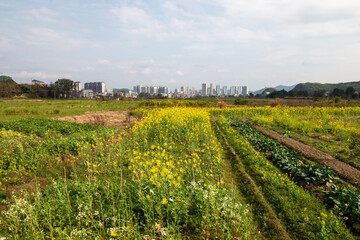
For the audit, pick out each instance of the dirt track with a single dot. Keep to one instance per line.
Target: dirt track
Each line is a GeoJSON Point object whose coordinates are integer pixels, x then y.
{"type": "Point", "coordinates": [117, 119]}
{"type": "Point", "coordinates": [344, 170]}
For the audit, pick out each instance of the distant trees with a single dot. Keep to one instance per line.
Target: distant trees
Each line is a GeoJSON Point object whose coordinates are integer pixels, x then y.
{"type": "Point", "coordinates": [8, 87]}
{"type": "Point", "coordinates": [292, 93]}
{"type": "Point", "coordinates": [337, 93]}
{"type": "Point", "coordinates": [34, 91]}
{"type": "Point", "coordinates": [350, 92]}
{"type": "Point", "coordinates": [63, 88]}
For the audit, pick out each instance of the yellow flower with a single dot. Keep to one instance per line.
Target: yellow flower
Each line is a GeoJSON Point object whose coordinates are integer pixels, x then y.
{"type": "Point", "coordinates": [164, 201]}
{"type": "Point", "coordinates": [148, 196]}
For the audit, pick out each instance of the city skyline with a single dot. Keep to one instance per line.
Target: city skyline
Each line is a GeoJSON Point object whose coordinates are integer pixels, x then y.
{"type": "Point", "coordinates": [255, 43]}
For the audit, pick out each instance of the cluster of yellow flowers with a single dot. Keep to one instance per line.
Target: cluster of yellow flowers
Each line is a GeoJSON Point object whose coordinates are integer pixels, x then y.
{"type": "Point", "coordinates": [173, 145]}
{"type": "Point", "coordinates": [336, 121]}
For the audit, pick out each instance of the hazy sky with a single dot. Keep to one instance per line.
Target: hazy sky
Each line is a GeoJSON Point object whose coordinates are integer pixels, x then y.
{"type": "Point", "coordinates": [173, 43]}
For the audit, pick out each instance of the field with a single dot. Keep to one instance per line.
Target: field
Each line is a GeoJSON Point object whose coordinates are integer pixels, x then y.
{"type": "Point", "coordinates": [177, 170]}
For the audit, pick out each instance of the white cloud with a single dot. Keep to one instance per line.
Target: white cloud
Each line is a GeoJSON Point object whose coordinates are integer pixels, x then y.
{"type": "Point", "coordinates": [104, 62]}
{"type": "Point", "coordinates": [295, 19]}
{"type": "Point", "coordinates": [50, 38]}
{"type": "Point", "coordinates": [147, 71]}
{"type": "Point", "coordinates": [39, 75]}
{"type": "Point", "coordinates": [87, 69]}
{"type": "Point", "coordinates": [137, 21]}
{"type": "Point", "coordinates": [179, 73]}
{"type": "Point", "coordinates": [42, 14]}
{"type": "Point", "coordinates": [5, 43]}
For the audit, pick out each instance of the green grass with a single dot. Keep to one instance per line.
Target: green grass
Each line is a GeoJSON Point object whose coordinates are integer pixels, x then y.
{"type": "Point", "coordinates": [20, 109]}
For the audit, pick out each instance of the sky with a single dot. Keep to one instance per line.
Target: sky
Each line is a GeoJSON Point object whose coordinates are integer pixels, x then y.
{"type": "Point", "coordinates": [257, 43]}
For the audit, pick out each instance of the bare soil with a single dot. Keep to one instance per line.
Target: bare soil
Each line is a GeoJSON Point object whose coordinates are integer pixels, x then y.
{"type": "Point", "coordinates": [344, 170]}
{"type": "Point", "coordinates": [119, 119]}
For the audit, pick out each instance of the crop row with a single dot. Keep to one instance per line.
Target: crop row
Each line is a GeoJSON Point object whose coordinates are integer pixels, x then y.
{"type": "Point", "coordinates": [304, 216]}
{"type": "Point", "coordinates": [333, 130]}
{"type": "Point", "coordinates": [344, 201]}
{"type": "Point", "coordinates": [284, 158]}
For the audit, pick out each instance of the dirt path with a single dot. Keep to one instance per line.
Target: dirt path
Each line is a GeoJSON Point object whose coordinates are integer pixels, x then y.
{"type": "Point", "coordinates": [117, 119]}
{"type": "Point", "coordinates": [344, 170]}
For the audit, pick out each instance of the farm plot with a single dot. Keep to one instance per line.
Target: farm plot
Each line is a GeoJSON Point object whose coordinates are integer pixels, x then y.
{"type": "Point", "coordinates": [303, 215]}
{"type": "Point", "coordinates": [166, 177]}
{"type": "Point", "coordinates": [160, 180]}
{"type": "Point", "coordinates": [335, 131]}
{"type": "Point", "coordinates": [305, 172]}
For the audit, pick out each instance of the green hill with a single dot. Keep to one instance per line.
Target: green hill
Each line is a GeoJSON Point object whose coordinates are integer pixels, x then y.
{"type": "Point", "coordinates": [311, 87]}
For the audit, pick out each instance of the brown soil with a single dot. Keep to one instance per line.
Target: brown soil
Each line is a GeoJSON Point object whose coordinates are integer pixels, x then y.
{"type": "Point", "coordinates": [344, 170]}
{"type": "Point", "coordinates": [320, 136]}
{"type": "Point", "coordinates": [119, 119]}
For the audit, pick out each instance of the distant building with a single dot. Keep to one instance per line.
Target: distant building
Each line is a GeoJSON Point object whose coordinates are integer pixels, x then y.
{"type": "Point", "coordinates": [163, 90]}
{"type": "Point", "coordinates": [98, 87]}
{"type": "Point", "coordinates": [211, 89]}
{"type": "Point", "coordinates": [37, 82]}
{"type": "Point", "coordinates": [232, 90]}
{"type": "Point", "coordinates": [153, 90]}
{"type": "Point", "coordinates": [77, 86]}
{"type": "Point", "coordinates": [224, 90]}
{"type": "Point", "coordinates": [244, 91]}
{"type": "Point", "coordinates": [109, 92]}
{"type": "Point", "coordinates": [218, 90]}
{"type": "Point", "coordinates": [238, 90]}
{"type": "Point", "coordinates": [87, 93]}
{"type": "Point", "coordinates": [204, 89]}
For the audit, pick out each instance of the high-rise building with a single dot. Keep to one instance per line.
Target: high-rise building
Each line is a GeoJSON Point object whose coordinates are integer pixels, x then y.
{"type": "Point", "coordinates": [244, 91]}
{"type": "Point", "coordinates": [224, 90]}
{"type": "Point", "coordinates": [238, 90]}
{"type": "Point", "coordinates": [163, 90]}
{"type": "Point", "coordinates": [98, 87]}
{"type": "Point", "coordinates": [153, 90]}
{"type": "Point", "coordinates": [211, 89]}
{"type": "Point", "coordinates": [77, 86]}
{"type": "Point", "coordinates": [204, 89]}
{"type": "Point", "coordinates": [232, 90]}
{"type": "Point", "coordinates": [218, 90]}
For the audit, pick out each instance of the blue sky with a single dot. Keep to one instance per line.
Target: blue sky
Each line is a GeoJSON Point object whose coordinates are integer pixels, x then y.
{"type": "Point", "coordinates": [181, 43]}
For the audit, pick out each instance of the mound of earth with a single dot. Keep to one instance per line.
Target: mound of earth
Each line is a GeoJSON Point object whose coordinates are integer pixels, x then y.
{"type": "Point", "coordinates": [117, 119]}
{"type": "Point", "coordinates": [344, 170]}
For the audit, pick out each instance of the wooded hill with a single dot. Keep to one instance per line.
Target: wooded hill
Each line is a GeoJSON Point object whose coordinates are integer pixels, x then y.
{"type": "Point", "coordinates": [312, 87]}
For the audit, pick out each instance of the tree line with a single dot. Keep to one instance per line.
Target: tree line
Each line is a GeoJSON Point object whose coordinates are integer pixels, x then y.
{"type": "Point", "coordinates": [62, 88]}
{"type": "Point", "coordinates": [349, 93]}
